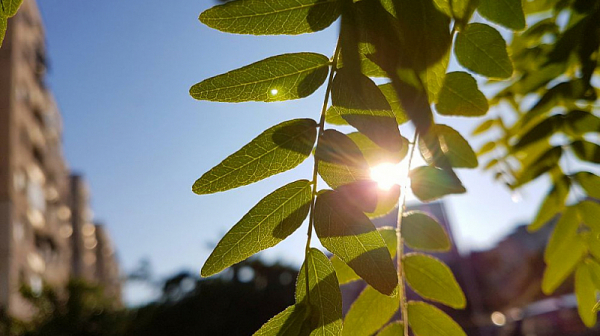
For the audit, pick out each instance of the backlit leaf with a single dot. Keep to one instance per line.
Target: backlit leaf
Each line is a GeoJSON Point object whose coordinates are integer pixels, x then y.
{"type": "Point", "coordinates": [325, 297]}
{"type": "Point", "coordinates": [452, 144]}
{"type": "Point", "coordinates": [277, 78]}
{"type": "Point", "coordinates": [422, 232]}
{"type": "Point", "coordinates": [433, 280]}
{"type": "Point", "coordinates": [340, 160]}
{"type": "Point", "coordinates": [393, 329]}
{"type": "Point", "coordinates": [427, 320]}
{"type": "Point", "coordinates": [358, 100]}
{"type": "Point", "coordinates": [369, 312]}
{"type": "Point", "coordinates": [589, 212]}
{"type": "Point", "coordinates": [349, 234]}
{"type": "Point", "coordinates": [589, 182]}
{"type": "Point", "coordinates": [274, 218]}
{"type": "Point", "coordinates": [481, 49]}
{"type": "Point", "coordinates": [581, 122]}
{"type": "Point", "coordinates": [553, 204]}
{"type": "Point", "coordinates": [375, 154]}
{"type": "Point", "coordinates": [9, 8]}
{"type": "Point", "coordinates": [486, 148]}
{"type": "Point", "coordinates": [3, 26]}
{"type": "Point", "coordinates": [460, 96]}
{"type": "Point", "coordinates": [287, 323]}
{"type": "Point", "coordinates": [258, 17]}
{"type": "Point", "coordinates": [484, 126]}
{"type": "Point", "coordinates": [586, 291]}
{"type": "Point", "coordinates": [542, 164]}
{"type": "Point", "coordinates": [390, 94]}
{"type": "Point", "coordinates": [428, 183]}
{"type": "Point", "coordinates": [279, 148]}
{"type": "Point", "coordinates": [508, 13]}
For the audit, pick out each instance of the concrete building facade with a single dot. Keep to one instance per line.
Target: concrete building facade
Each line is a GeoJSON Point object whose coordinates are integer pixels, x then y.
{"type": "Point", "coordinates": [46, 232]}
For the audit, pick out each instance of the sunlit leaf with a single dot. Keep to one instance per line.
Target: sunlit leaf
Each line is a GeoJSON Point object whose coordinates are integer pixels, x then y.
{"type": "Point", "coordinates": [508, 13]}
{"type": "Point", "coordinates": [393, 329]}
{"type": "Point", "coordinates": [481, 49]}
{"type": "Point", "coordinates": [349, 234]}
{"type": "Point", "coordinates": [589, 213]}
{"type": "Point", "coordinates": [375, 154]}
{"type": "Point", "coordinates": [553, 204]}
{"type": "Point", "coordinates": [325, 297]}
{"type": "Point", "coordinates": [258, 17]}
{"type": "Point", "coordinates": [452, 144]}
{"type": "Point", "coordinates": [542, 164]}
{"type": "Point", "coordinates": [484, 126]}
{"type": "Point", "coordinates": [460, 96]}
{"type": "Point", "coordinates": [277, 78]}
{"type": "Point", "coordinates": [589, 182]}
{"type": "Point", "coordinates": [274, 218]}
{"type": "Point", "coordinates": [426, 320]}
{"type": "Point", "coordinates": [587, 151]}
{"type": "Point", "coordinates": [428, 183]}
{"type": "Point", "coordinates": [358, 100]}
{"type": "Point", "coordinates": [458, 9]}
{"type": "Point", "coordinates": [541, 131]}
{"type": "Point", "coordinates": [287, 323]}
{"type": "Point", "coordinates": [586, 293]}
{"type": "Point", "coordinates": [390, 94]}
{"type": "Point", "coordinates": [422, 232]}
{"type": "Point", "coordinates": [279, 148]}
{"type": "Point", "coordinates": [433, 280]}
{"type": "Point", "coordinates": [9, 8]}
{"type": "Point", "coordinates": [580, 122]}
{"type": "Point", "coordinates": [486, 148]}
{"type": "Point", "coordinates": [340, 160]}
{"type": "Point", "coordinates": [3, 26]}
{"type": "Point", "coordinates": [369, 312]}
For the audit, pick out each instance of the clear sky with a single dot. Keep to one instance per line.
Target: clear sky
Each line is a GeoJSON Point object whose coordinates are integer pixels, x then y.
{"type": "Point", "coordinates": [121, 71]}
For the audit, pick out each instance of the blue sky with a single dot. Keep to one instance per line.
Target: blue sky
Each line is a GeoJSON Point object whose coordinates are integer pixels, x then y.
{"type": "Point", "coordinates": [121, 71]}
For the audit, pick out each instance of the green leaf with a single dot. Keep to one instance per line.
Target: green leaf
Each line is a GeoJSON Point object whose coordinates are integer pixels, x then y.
{"type": "Point", "coordinates": [481, 49]}
{"type": "Point", "coordinates": [256, 17]}
{"type": "Point", "coordinates": [422, 232]}
{"type": "Point", "coordinates": [277, 78]}
{"type": "Point", "coordinates": [427, 320]}
{"type": "Point", "coordinates": [585, 291]}
{"type": "Point", "coordinates": [460, 96]}
{"type": "Point", "coordinates": [486, 148]}
{"type": "Point", "coordinates": [393, 329]}
{"type": "Point", "coordinates": [325, 297]}
{"type": "Point", "coordinates": [484, 126]}
{"type": "Point", "coordinates": [587, 151]}
{"type": "Point", "coordinates": [358, 100]}
{"type": "Point", "coordinates": [580, 122]}
{"type": "Point", "coordinates": [274, 218]}
{"type": "Point", "coordinates": [345, 274]}
{"type": "Point", "coordinates": [589, 212]}
{"type": "Point", "coordinates": [541, 131]}
{"type": "Point", "coordinates": [565, 250]}
{"type": "Point", "coordinates": [589, 182]}
{"type": "Point", "coordinates": [348, 233]}
{"type": "Point", "coordinates": [594, 268]}
{"type": "Point", "coordinates": [553, 204]}
{"type": "Point", "coordinates": [544, 163]}
{"type": "Point", "coordinates": [428, 183]}
{"type": "Point", "coordinates": [279, 148]}
{"type": "Point", "coordinates": [9, 8]}
{"type": "Point", "coordinates": [390, 94]}
{"type": "Point", "coordinates": [387, 200]}
{"type": "Point", "coordinates": [287, 323]}
{"type": "Point", "coordinates": [433, 280]}
{"type": "Point", "coordinates": [369, 312]}
{"type": "Point", "coordinates": [452, 145]}
{"type": "Point", "coordinates": [3, 26]}
{"type": "Point", "coordinates": [375, 154]}
{"type": "Point", "coordinates": [340, 160]}
{"type": "Point", "coordinates": [508, 13]}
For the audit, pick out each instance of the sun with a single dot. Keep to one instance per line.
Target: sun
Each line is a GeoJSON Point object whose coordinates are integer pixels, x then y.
{"type": "Point", "coordinates": [389, 174]}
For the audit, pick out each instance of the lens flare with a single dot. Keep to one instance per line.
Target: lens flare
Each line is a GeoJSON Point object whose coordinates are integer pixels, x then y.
{"type": "Point", "coordinates": [389, 174]}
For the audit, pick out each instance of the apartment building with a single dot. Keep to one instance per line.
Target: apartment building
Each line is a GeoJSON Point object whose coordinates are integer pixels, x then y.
{"type": "Point", "coordinates": [46, 231]}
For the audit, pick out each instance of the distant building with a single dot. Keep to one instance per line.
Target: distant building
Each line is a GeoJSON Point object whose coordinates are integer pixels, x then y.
{"type": "Point", "coordinates": [46, 235]}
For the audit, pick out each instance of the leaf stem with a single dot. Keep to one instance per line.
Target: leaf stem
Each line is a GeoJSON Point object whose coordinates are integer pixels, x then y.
{"type": "Point", "coordinates": [311, 218]}
{"type": "Point", "coordinates": [400, 240]}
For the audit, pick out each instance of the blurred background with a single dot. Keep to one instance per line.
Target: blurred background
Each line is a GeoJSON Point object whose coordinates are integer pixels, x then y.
{"type": "Point", "coordinates": [100, 144]}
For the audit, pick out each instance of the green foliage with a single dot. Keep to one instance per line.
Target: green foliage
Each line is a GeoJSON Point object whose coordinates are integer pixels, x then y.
{"type": "Point", "coordinates": [392, 329]}
{"type": "Point", "coordinates": [256, 17]}
{"type": "Point", "coordinates": [432, 279]}
{"type": "Point", "coordinates": [508, 13]}
{"type": "Point", "coordinates": [273, 219]}
{"type": "Point", "coordinates": [481, 49]}
{"type": "Point", "coordinates": [425, 320]}
{"type": "Point", "coordinates": [277, 78]}
{"type": "Point", "coordinates": [3, 26]}
{"type": "Point", "coordinates": [371, 311]}
{"type": "Point", "coordinates": [289, 322]}
{"type": "Point", "coordinates": [280, 148]}
{"type": "Point", "coordinates": [429, 183]}
{"type": "Point", "coordinates": [8, 8]}
{"type": "Point", "coordinates": [586, 293]}
{"type": "Point", "coordinates": [454, 147]}
{"type": "Point", "coordinates": [460, 96]}
{"type": "Point", "coordinates": [422, 232]}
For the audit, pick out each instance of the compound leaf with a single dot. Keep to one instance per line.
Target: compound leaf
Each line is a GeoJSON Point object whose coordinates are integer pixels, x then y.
{"type": "Point", "coordinates": [274, 218]}
{"type": "Point", "coordinates": [279, 148]}
{"type": "Point", "coordinates": [277, 78]}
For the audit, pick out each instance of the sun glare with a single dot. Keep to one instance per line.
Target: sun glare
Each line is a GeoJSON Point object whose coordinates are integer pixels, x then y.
{"type": "Point", "coordinates": [388, 174]}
